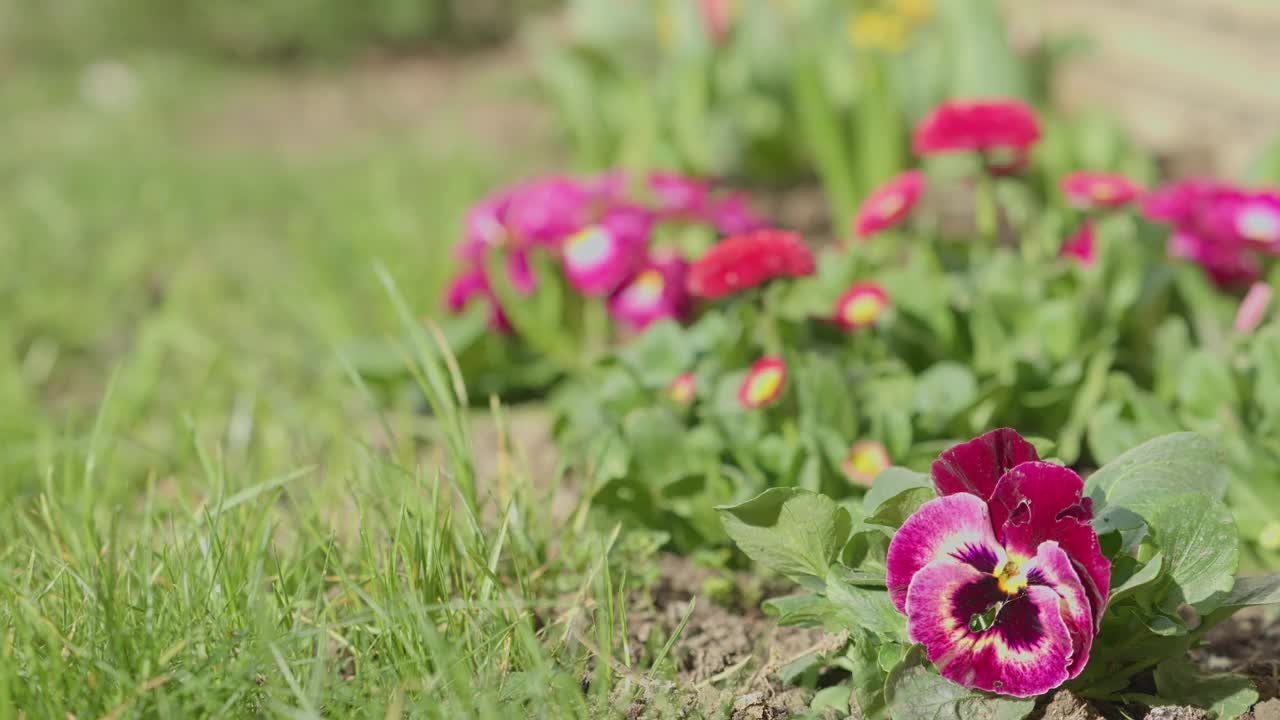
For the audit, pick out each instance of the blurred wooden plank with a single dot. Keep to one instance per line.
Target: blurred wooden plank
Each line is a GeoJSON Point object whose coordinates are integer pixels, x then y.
{"type": "Point", "coordinates": [1198, 77]}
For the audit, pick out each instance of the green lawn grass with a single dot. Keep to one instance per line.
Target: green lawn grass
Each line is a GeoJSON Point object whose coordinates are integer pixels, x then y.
{"type": "Point", "coordinates": [203, 511]}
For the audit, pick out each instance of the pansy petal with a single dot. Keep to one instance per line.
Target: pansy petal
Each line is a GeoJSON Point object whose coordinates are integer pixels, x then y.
{"type": "Point", "coordinates": [955, 529]}
{"type": "Point", "coordinates": [976, 466]}
{"type": "Point", "coordinates": [1036, 493]}
{"type": "Point", "coordinates": [1037, 502]}
{"type": "Point", "coordinates": [1026, 651]}
{"type": "Point", "coordinates": [1053, 569]}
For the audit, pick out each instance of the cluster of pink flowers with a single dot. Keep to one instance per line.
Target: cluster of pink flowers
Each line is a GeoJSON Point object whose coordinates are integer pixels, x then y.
{"type": "Point", "coordinates": [601, 234]}
{"type": "Point", "coordinates": [1221, 227]}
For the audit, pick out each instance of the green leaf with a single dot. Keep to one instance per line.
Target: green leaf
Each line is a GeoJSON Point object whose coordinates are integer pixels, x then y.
{"type": "Point", "coordinates": [800, 609]}
{"type": "Point", "coordinates": [895, 511]}
{"type": "Point", "coordinates": [1205, 385]}
{"type": "Point", "coordinates": [859, 607]}
{"type": "Point", "coordinates": [865, 553]}
{"type": "Point", "coordinates": [823, 395]}
{"type": "Point", "coordinates": [1136, 580]}
{"type": "Point", "coordinates": [1247, 591]}
{"type": "Point", "coordinates": [919, 694]}
{"type": "Point", "coordinates": [1180, 681]}
{"type": "Point", "coordinates": [659, 355]}
{"type": "Point", "coordinates": [890, 482]}
{"type": "Point", "coordinates": [1170, 465]}
{"type": "Point", "coordinates": [838, 698]}
{"type": "Point", "coordinates": [943, 391]}
{"type": "Point", "coordinates": [790, 531]}
{"type": "Point", "coordinates": [868, 677]}
{"type": "Point", "coordinates": [1201, 547]}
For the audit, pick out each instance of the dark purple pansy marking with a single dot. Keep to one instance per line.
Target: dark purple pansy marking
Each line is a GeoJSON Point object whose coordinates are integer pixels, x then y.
{"type": "Point", "coordinates": [1001, 579]}
{"type": "Point", "coordinates": [976, 466]}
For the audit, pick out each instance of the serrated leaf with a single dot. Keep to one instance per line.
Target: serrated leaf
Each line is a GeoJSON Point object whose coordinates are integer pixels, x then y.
{"type": "Point", "coordinates": [890, 482]}
{"type": "Point", "coordinates": [895, 511]}
{"type": "Point", "coordinates": [867, 676]}
{"type": "Point", "coordinates": [918, 694]}
{"type": "Point", "coordinates": [1200, 546]}
{"type": "Point", "coordinates": [860, 607]}
{"type": "Point", "coordinates": [1170, 465]}
{"type": "Point", "coordinates": [793, 532]}
{"type": "Point", "coordinates": [1180, 681]}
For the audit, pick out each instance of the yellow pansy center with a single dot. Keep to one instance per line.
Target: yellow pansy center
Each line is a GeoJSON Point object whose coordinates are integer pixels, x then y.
{"type": "Point", "coordinates": [863, 309]}
{"type": "Point", "coordinates": [764, 385]}
{"type": "Point", "coordinates": [1011, 577]}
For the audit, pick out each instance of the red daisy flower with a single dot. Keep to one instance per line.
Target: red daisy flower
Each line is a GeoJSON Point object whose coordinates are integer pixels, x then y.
{"type": "Point", "coordinates": [983, 126]}
{"type": "Point", "coordinates": [746, 261]}
{"type": "Point", "coordinates": [889, 203]}
{"type": "Point", "coordinates": [1093, 190]}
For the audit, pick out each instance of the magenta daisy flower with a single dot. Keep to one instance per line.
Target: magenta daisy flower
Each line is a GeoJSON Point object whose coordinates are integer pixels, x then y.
{"type": "Point", "coordinates": [732, 215]}
{"type": "Point", "coordinates": [867, 459]}
{"type": "Point", "coordinates": [861, 306]}
{"type": "Point", "coordinates": [1254, 217]}
{"type": "Point", "coordinates": [656, 292]}
{"type": "Point", "coordinates": [598, 259]}
{"type": "Point", "coordinates": [470, 286]}
{"type": "Point", "coordinates": [485, 228]}
{"type": "Point", "coordinates": [889, 203]}
{"type": "Point", "coordinates": [1081, 246]}
{"type": "Point", "coordinates": [1093, 190]}
{"type": "Point", "coordinates": [1002, 578]}
{"type": "Point", "coordinates": [548, 210]}
{"type": "Point", "coordinates": [679, 194]}
{"type": "Point", "coordinates": [764, 383]}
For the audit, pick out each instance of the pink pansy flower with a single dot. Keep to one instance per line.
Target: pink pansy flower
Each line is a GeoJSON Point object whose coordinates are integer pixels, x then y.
{"type": "Point", "coordinates": [656, 292]}
{"type": "Point", "coordinates": [861, 306]}
{"type": "Point", "coordinates": [764, 383]}
{"type": "Point", "coordinates": [889, 203]}
{"type": "Point", "coordinates": [1082, 245]}
{"type": "Point", "coordinates": [1093, 190]}
{"type": "Point", "coordinates": [867, 459]}
{"type": "Point", "coordinates": [1001, 578]}
{"type": "Point", "coordinates": [683, 389]}
{"type": "Point", "coordinates": [983, 126]}
{"type": "Point", "coordinates": [1253, 308]}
